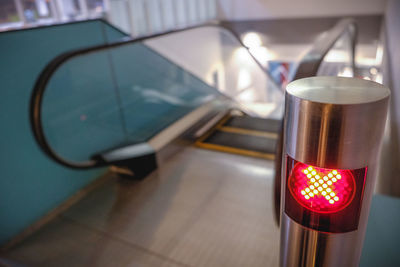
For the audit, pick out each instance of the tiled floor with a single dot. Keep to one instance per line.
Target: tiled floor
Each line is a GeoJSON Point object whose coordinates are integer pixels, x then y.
{"type": "Point", "coordinates": [200, 208]}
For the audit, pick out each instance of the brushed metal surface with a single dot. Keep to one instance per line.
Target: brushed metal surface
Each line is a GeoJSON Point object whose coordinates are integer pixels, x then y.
{"type": "Point", "coordinates": [331, 122]}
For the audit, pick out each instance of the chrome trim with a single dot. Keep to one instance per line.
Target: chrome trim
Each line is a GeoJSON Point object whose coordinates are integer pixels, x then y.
{"type": "Point", "coordinates": [127, 152]}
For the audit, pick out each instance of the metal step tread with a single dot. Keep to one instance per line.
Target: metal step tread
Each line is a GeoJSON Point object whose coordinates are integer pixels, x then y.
{"type": "Point", "coordinates": [243, 144]}
{"type": "Point", "coordinates": [255, 124]}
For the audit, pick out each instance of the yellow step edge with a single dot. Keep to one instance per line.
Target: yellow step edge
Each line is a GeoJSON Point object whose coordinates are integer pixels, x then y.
{"type": "Point", "coordinates": [213, 129]}
{"type": "Point", "coordinates": [239, 151]}
{"type": "Point", "coordinates": [230, 129]}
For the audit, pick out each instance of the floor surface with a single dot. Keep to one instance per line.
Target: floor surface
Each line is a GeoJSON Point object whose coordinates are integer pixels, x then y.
{"type": "Point", "coordinates": [200, 208]}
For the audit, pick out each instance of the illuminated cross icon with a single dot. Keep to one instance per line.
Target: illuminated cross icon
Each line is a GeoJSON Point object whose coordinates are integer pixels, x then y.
{"type": "Point", "coordinates": [320, 184]}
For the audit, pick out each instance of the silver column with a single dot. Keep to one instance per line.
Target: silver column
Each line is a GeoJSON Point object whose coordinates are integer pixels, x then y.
{"type": "Point", "coordinates": [335, 123]}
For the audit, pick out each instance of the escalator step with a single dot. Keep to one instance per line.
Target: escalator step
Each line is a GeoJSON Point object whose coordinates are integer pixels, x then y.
{"type": "Point", "coordinates": [249, 145]}
{"type": "Point", "coordinates": [248, 132]}
{"type": "Point", "coordinates": [256, 124]}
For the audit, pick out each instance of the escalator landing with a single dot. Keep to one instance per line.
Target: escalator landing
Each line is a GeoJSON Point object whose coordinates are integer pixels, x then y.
{"type": "Point", "coordinates": [243, 135]}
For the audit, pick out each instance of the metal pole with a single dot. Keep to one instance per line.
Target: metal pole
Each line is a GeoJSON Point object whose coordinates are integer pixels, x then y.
{"type": "Point", "coordinates": [332, 137]}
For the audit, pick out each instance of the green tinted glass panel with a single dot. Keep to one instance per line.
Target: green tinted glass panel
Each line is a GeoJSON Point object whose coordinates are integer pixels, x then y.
{"type": "Point", "coordinates": [31, 184]}
{"type": "Point", "coordinates": [80, 108]}
{"type": "Point", "coordinates": [154, 92]}
{"type": "Point", "coordinates": [115, 97]}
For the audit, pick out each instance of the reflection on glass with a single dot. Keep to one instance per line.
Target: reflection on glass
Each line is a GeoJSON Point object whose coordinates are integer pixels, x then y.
{"type": "Point", "coordinates": [215, 56]}
{"type": "Point", "coordinates": [115, 97]}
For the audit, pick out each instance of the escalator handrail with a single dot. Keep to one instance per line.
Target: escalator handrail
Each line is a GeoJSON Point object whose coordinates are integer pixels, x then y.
{"type": "Point", "coordinates": [45, 76]}
{"type": "Point", "coordinates": [312, 60]}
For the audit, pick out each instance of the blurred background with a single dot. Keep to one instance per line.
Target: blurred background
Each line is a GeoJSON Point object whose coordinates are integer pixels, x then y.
{"type": "Point", "coordinates": [148, 132]}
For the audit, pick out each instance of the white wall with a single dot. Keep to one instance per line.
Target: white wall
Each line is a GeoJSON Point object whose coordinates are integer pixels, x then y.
{"type": "Point", "coordinates": [268, 9]}
{"type": "Point", "coordinates": [145, 17]}
{"type": "Point", "coordinates": [198, 51]}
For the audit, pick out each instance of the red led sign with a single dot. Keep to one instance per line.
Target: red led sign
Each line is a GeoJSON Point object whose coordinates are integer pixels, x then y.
{"type": "Point", "coordinates": [320, 189]}
{"type": "Point", "coordinates": [324, 199]}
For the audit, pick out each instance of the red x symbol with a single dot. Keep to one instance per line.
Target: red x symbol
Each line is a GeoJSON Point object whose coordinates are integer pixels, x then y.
{"type": "Point", "coordinates": [319, 184]}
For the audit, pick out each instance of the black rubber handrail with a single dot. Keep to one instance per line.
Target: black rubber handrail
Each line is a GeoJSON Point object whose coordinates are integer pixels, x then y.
{"type": "Point", "coordinates": [45, 76]}
{"type": "Point", "coordinates": [308, 67]}
{"type": "Point", "coordinates": [311, 61]}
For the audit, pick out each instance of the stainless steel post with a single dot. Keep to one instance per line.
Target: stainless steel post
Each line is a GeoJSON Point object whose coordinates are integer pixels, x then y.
{"type": "Point", "coordinates": [332, 137]}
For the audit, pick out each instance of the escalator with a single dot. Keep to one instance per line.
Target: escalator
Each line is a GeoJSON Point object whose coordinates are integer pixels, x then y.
{"type": "Point", "coordinates": [193, 131]}
{"type": "Point", "coordinates": [138, 96]}
{"type": "Point", "coordinates": [137, 101]}
{"type": "Point", "coordinates": [243, 135]}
